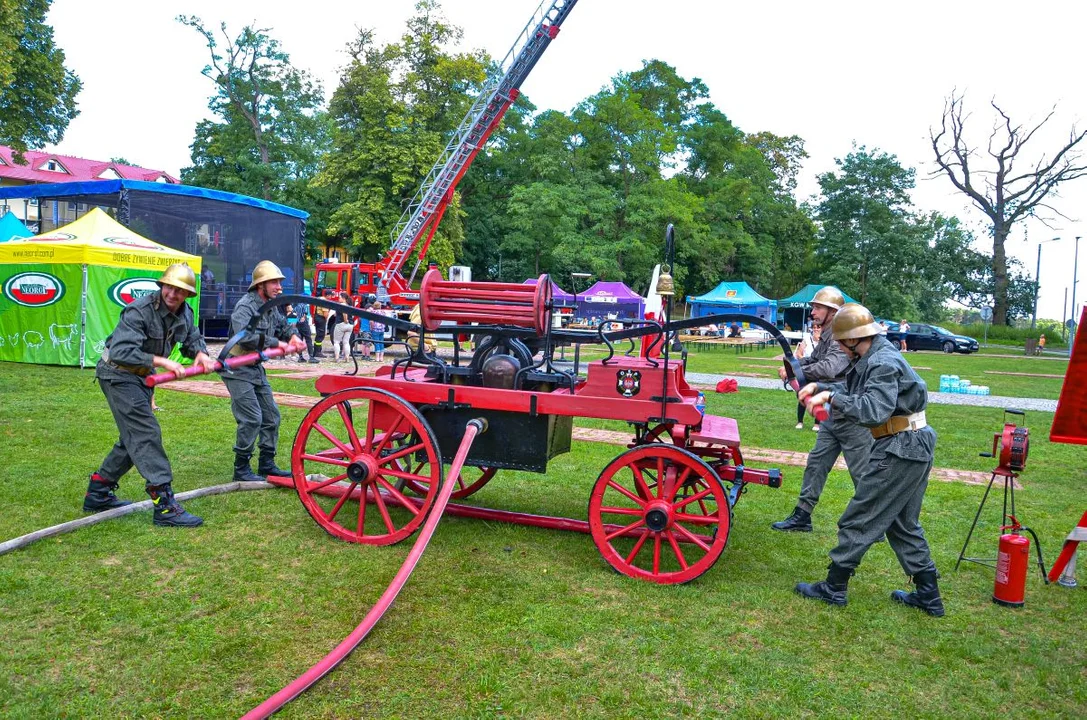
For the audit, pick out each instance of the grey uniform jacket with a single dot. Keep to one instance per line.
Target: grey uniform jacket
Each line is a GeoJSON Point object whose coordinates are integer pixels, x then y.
{"type": "Point", "coordinates": [827, 363]}
{"type": "Point", "coordinates": [271, 327]}
{"type": "Point", "coordinates": [148, 328]}
{"type": "Point", "coordinates": [881, 385]}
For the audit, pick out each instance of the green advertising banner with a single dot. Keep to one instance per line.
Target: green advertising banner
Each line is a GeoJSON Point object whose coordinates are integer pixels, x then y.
{"type": "Point", "coordinates": [109, 290]}
{"type": "Point", "coordinates": [43, 318]}
{"type": "Point", "coordinates": [40, 313]}
{"type": "Point", "coordinates": [63, 291]}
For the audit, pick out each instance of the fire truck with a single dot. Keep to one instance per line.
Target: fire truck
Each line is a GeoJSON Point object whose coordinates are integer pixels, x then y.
{"type": "Point", "coordinates": [414, 231]}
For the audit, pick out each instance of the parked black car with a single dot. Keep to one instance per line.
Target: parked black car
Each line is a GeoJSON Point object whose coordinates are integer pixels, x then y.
{"type": "Point", "coordinates": [932, 337]}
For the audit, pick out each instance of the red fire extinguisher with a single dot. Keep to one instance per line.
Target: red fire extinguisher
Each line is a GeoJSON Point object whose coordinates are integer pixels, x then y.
{"type": "Point", "coordinates": [1012, 559]}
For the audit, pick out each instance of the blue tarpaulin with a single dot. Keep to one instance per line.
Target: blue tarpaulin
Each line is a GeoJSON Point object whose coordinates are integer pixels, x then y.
{"type": "Point", "coordinates": [11, 227]}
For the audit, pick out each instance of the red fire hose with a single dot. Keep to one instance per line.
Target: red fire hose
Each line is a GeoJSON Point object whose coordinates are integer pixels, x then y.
{"type": "Point", "coordinates": [334, 658]}
{"type": "Point", "coordinates": [233, 362]}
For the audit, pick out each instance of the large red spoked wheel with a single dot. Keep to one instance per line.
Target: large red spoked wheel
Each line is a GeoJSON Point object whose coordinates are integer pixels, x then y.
{"type": "Point", "coordinates": [659, 513]}
{"type": "Point", "coordinates": [468, 482]}
{"type": "Point", "coordinates": [357, 443]}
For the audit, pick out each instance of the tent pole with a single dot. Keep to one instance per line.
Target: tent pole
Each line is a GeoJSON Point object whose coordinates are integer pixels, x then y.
{"type": "Point", "coordinates": [83, 322]}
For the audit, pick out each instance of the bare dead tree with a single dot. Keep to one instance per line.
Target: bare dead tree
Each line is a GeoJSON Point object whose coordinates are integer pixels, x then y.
{"type": "Point", "coordinates": [996, 186]}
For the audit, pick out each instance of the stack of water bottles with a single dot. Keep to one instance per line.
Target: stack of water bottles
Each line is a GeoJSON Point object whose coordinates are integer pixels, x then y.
{"type": "Point", "coordinates": [955, 384]}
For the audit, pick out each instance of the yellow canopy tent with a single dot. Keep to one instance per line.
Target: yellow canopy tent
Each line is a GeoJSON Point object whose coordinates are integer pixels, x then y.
{"type": "Point", "coordinates": [61, 292]}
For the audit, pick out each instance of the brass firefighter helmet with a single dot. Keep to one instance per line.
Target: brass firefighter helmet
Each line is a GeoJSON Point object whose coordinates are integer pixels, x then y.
{"type": "Point", "coordinates": [264, 271]}
{"type": "Point", "coordinates": [853, 322]}
{"type": "Point", "coordinates": [181, 276]}
{"type": "Point", "coordinates": [829, 297]}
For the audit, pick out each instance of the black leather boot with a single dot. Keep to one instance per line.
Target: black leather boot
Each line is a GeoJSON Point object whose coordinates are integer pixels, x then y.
{"type": "Point", "coordinates": [242, 471]}
{"type": "Point", "coordinates": [926, 594]}
{"type": "Point", "coordinates": [832, 590]}
{"type": "Point", "coordinates": [168, 511]}
{"type": "Point", "coordinates": [100, 495]}
{"type": "Point", "coordinates": [799, 521]}
{"type": "Point", "coordinates": [267, 466]}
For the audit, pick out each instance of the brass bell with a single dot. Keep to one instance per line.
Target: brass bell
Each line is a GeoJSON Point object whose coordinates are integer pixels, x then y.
{"type": "Point", "coordinates": [665, 284]}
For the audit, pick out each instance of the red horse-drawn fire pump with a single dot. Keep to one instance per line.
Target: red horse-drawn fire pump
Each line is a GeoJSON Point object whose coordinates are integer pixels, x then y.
{"type": "Point", "coordinates": [368, 458]}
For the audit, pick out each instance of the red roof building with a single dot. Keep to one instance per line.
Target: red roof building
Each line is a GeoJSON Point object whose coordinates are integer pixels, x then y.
{"type": "Point", "coordinates": [43, 167]}
{"type": "Point", "coordinates": [46, 167]}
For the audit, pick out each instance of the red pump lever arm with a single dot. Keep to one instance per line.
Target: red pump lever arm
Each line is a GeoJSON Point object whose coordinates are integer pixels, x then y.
{"type": "Point", "coordinates": [237, 361]}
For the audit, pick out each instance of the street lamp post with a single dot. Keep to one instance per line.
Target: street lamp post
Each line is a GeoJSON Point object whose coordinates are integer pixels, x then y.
{"type": "Point", "coordinates": [1037, 274]}
{"type": "Point", "coordinates": [1075, 320]}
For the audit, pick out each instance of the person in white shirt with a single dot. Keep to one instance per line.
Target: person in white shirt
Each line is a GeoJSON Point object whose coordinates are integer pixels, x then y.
{"type": "Point", "coordinates": [804, 349]}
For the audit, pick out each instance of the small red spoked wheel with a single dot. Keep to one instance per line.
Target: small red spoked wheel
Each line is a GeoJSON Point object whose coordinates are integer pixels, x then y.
{"type": "Point", "coordinates": [468, 482]}
{"type": "Point", "coordinates": [348, 456]}
{"type": "Point", "coordinates": [659, 513]}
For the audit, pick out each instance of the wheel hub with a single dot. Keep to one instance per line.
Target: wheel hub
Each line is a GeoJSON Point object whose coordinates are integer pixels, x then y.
{"type": "Point", "coordinates": [362, 469]}
{"type": "Point", "coordinates": [658, 516]}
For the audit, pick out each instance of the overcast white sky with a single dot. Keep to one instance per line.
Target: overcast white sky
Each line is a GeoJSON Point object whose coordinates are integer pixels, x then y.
{"type": "Point", "coordinates": [831, 72]}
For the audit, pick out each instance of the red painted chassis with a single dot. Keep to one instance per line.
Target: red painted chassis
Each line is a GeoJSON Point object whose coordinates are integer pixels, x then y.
{"type": "Point", "coordinates": [659, 511]}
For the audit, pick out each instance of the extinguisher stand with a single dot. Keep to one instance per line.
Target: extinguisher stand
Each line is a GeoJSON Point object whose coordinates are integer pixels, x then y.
{"type": "Point", "coordinates": [1009, 477]}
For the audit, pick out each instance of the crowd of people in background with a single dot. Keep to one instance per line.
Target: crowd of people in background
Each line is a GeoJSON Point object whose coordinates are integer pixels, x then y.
{"type": "Point", "coordinates": [359, 337]}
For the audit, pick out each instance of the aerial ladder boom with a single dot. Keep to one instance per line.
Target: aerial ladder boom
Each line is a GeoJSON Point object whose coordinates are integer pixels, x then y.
{"type": "Point", "coordinates": [425, 210]}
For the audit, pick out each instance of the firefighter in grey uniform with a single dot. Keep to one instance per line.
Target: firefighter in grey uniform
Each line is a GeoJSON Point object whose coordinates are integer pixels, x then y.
{"type": "Point", "coordinates": [828, 363]}
{"type": "Point", "coordinates": [884, 394]}
{"type": "Point", "coordinates": [250, 393]}
{"type": "Point", "coordinates": [143, 340]}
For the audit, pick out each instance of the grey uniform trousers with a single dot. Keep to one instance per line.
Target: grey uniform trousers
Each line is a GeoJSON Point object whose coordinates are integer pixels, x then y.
{"type": "Point", "coordinates": [888, 500]}
{"type": "Point", "coordinates": [256, 413]}
{"type": "Point", "coordinates": [836, 437]}
{"type": "Point", "coordinates": [140, 443]}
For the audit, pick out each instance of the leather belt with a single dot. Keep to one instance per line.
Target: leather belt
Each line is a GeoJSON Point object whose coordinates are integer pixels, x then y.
{"type": "Point", "coordinates": [135, 370]}
{"type": "Point", "coordinates": [899, 423]}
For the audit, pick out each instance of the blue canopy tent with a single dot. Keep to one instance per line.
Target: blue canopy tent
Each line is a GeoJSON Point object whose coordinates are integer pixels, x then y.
{"type": "Point", "coordinates": [230, 232]}
{"type": "Point", "coordinates": [12, 227]}
{"type": "Point", "coordinates": [794, 309]}
{"type": "Point", "coordinates": [733, 297]}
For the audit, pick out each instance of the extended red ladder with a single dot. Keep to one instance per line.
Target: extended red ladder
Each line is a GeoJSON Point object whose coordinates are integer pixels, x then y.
{"type": "Point", "coordinates": [425, 210]}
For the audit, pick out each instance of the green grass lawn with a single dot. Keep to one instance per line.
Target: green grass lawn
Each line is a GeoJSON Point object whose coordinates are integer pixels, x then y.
{"type": "Point", "coordinates": [127, 620]}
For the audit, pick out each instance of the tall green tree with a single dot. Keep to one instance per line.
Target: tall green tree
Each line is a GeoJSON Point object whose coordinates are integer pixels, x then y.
{"type": "Point", "coordinates": [593, 191]}
{"type": "Point", "coordinates": [37, 91]}
{"type": "Point", "coordinates": [755, 231]}
{"type": "Point", "coordinates": [869, 245]}
{"type": "Point", "coordinates": [393, 112]}
{"type": "Point", "coordinates": [269, 130]}
{"type": "Point", "coordinates": [630, 142]}
{"type": "Point", "coordinates": [952, 269]}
